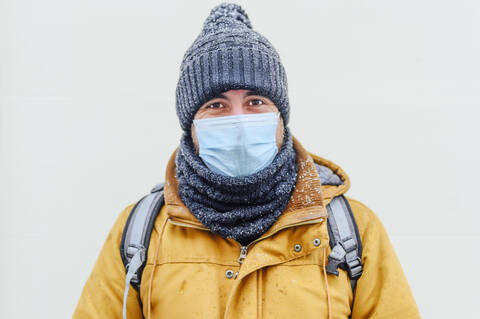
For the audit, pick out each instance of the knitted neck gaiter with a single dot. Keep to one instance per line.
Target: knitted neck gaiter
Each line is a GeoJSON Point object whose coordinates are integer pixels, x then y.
{"type": "Point", "coordinates": [241, 207]}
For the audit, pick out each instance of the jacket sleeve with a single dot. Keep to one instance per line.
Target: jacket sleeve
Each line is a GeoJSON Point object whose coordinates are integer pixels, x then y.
{"type": "Point", "coordinates": [382, 290]}
{"type": "Point", "coordinates": [102, 295]}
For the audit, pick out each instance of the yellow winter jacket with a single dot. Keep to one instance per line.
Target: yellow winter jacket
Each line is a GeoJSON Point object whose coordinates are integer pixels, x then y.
{"type": "Point", "coordinates": [189, 270]}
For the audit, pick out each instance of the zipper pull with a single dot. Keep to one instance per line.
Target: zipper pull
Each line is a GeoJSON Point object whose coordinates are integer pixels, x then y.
{"type": "Point", "coordinates": [243, 254]}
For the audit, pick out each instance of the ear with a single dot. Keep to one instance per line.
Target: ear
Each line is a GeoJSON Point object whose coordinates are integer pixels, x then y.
{"type": "Point", "coordinates": [194, 138]}
{"type": "Point", "coordinates": [280, 132]}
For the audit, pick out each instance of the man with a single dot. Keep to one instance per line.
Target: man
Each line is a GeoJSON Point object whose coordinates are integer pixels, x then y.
{"type": "Point", "coordinates": [243, 232]}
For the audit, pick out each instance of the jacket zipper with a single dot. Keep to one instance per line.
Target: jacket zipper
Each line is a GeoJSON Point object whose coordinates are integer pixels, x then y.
{"type": "Point", "coordinates": [244, 249]}
{"type": "Point", "coordinates": [243, 254]}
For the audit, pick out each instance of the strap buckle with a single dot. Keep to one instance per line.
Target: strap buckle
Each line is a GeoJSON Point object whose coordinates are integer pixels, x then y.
{"type": "Point", "coordinates": [354, 267]}
{"type": "Point", "coordinates": [137, 259]}
{"type": "Point", "coordinates": [336, 257]}
{"type": "Point", "coordinates": [349, 244]}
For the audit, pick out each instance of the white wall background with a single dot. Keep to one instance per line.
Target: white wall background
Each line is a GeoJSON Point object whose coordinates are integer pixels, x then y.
{"type": "Point", "coordinates": [388, 90]}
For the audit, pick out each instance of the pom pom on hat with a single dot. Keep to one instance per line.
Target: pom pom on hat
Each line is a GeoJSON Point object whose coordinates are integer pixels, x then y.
{"type": "Point", "coordinates": [226, 15]}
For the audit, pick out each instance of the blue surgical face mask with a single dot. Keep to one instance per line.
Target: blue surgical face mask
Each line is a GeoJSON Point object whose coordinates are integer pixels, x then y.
{"type": "Point", "coordinates": [237, 145]}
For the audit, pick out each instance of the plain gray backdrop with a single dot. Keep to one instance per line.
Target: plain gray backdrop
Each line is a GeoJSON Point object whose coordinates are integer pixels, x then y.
{"type": "Point", "coordinates": [388, 90]}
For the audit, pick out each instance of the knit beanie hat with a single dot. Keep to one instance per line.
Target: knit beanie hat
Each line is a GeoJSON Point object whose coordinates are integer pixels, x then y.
{"type": "Point", "coordinates": [227, 55]}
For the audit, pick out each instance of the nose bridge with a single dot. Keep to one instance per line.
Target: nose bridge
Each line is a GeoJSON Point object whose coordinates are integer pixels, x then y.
{"type": "Point", "coordinates": [237, 105]}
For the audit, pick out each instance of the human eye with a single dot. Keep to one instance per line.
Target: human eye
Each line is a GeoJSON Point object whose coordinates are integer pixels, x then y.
{"type": "Point", "coordinates": [214, 105]}
{"type": "Point", "coordinates": [254, 102]}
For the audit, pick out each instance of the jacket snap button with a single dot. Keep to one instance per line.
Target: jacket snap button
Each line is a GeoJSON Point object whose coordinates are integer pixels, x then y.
{"type": "Point", "coordinates": [297, 248]}
{"type": "Point", "coordinates": [229, 274]}
{"type": "Point", "coordinates": [316, 242]}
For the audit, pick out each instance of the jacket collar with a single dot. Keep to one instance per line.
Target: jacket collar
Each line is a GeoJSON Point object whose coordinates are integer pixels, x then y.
{"type": "Point", "coordinates": [307, 203]}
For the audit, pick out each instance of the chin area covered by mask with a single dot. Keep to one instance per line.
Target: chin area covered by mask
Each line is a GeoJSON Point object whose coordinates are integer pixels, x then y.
{"type": "Point", "coordinates": [237, 145]}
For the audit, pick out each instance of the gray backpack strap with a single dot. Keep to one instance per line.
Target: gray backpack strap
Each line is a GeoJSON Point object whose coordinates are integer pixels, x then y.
{"type": "Point", "coordinates": [136, 238]}
{"type": "Point", "coordinates": [344, 240]}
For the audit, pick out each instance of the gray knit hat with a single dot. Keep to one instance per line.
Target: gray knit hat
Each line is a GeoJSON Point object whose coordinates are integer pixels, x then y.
{"type": "Point", "coordinates": [227, 55]}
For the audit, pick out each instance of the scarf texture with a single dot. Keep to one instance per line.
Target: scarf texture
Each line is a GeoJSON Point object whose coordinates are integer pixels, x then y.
{"type": "Point", "coordinates": [242, 207]}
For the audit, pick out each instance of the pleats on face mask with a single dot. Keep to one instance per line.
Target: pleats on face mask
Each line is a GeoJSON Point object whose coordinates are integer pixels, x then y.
{"type": "Point", "coordinates": [237, 145]}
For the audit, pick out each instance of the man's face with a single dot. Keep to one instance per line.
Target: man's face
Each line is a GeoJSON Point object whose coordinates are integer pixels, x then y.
{"type": "Point", "coordinates": [235, 102]}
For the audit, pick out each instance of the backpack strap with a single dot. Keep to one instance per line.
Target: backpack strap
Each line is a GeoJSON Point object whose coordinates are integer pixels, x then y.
{"type": "Point", "coordinates": [344, 240]}
{"type": "Point", "coordinates": [136, 238]}
{"type": "Point", "coordinates": [343, 231]}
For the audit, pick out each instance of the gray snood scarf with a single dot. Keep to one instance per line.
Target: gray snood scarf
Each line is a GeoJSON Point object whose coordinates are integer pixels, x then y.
{"type": "Point", "coordinates": [241, 207]}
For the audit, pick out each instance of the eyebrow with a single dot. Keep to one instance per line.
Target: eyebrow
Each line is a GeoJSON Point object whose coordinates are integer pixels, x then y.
{"type": "Point", "coordinates": [249, 93]}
